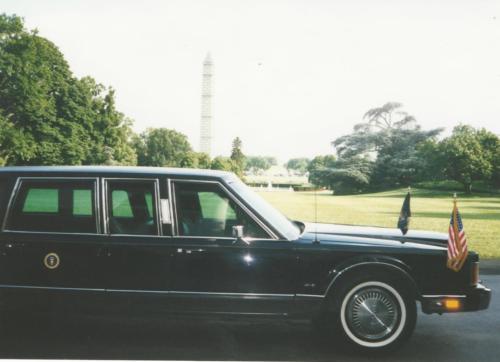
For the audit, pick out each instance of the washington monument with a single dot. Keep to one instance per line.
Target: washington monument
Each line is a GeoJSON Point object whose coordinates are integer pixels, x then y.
{"type": "Point", "coordinates": [206, 107]}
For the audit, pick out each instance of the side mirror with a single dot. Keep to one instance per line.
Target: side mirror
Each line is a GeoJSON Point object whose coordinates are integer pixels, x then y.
{"type": "Point", "coordinates": [238, 235]}
{"type": "Point", "coordinates": [238, 231]}
{"type": "Point", "coordinates": [165, 216]}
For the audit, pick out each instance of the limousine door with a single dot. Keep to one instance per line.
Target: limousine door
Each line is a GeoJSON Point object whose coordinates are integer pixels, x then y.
{"type": "Point", "coordinates": [213, 271]}
{"type": "Point", "coordinates": [50, 247]}
{"type": "Point", "coordinates": [140, 256]}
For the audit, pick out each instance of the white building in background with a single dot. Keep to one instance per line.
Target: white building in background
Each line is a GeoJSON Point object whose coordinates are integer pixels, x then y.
{"type": "Point", "coordinates": [206, 107]}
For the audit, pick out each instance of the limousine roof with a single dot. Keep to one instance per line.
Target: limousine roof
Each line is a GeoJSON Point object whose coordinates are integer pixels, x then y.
{"type": "Point", "coordinates": [114, 170]}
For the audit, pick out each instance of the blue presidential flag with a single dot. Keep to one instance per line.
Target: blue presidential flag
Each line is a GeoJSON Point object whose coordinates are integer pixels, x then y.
{"type": "Point", "coordinates": [404, 215]}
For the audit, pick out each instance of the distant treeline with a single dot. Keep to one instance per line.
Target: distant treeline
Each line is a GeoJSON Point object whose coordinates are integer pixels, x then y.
{"type": "Point", "coordinates": [50, 117]}
{"type": "Point", "coordinates": [389, 149]}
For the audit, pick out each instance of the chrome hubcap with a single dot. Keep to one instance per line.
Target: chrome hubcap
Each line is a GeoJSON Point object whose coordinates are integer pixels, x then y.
{"type": "Point", "coordinates": [372, 313]}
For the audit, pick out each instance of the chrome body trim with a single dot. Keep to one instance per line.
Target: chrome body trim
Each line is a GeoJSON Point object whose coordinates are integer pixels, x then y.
{"type": "Point", "coordinates": [272, 235]}
{"type": "Point", "coordinates": [15, 192]}
{"type": "Point", "coordinates": [189, 293]}
{"type": "Point", "coordinates": [9, 204]}
{"type": "Point", "coordinates": [156, 199]}
{"type": "Point", "coordinates": [170, 196]}
{"type": "Point", "coordinates": [215, 238]}
{"type": "Point", "coordinates": [105, 220]}
{"type": "Point", "coordinates": [175, 231]}
{"type": "Point", "coordinates": [245, 314]}
{"type": "Point", "coordinates": [6, 286]}
{"type": "Point", "coordinates": [49, 232]}
{"type": "Point", "coordinates": [360, 264]}
{"type": "Point", "coordinates": [309, 296]}
{"type": "Point", "coordinates": [444, 296]}
{"type": "Point", "coordinates": [145, 291]}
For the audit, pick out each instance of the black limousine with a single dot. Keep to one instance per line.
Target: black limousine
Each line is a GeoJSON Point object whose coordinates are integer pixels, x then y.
{"type": "Point", "coordinates": [199, 242]}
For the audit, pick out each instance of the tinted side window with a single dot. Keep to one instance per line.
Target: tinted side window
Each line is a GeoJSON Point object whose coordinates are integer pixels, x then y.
{"type": "Point", "coordinates": [132, 207]}
{"type": "Point", "coordinates": [41, 200]}
{"type": "Point", "coordinates": [82, 202]}
{"type": "Point", "coordinates": [54, 206]}
{"type": "Point", "coordinates": [204, 209]}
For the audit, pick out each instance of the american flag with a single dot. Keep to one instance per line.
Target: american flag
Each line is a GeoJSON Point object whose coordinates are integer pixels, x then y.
{"type": "Point", "coordinates": [457, 242]}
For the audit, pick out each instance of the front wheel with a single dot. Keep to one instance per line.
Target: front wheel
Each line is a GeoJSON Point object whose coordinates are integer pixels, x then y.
{"type": "Point", "coordinates": [374, 313]}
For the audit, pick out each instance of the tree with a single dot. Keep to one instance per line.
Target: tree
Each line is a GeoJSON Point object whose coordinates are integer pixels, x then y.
{"type": "Point", "coordinates": [236, 151]}
{"type": "Point", "coordinates": [163, 147]}
{"type": "Point", "coordinates": [495, 176]}
{"type": "Point", "coordinates": [298, 164]}
{"type": "Point", "coordinates": [318, 169]}
{"type": "Point", "coordinates": [195, 160]}
{"type": "Point", "coordinates": [374, 134]}
{"type": "Point", "coordinates": [431, 161]}
{"type": "Point", "coordinates": [111, 132]}
{"type": "Point", "coordinates": [8, 138]}
{"type": "Point", "coordinates": [259, 163]}
{"type": "Point", "coordinates": [50, 116]}
{"type": "Point", "coordinates": [382, 118]}
{"type": "Point", "coordinates": [368, 136]}
{"type": "Point", "coordinates": [223, 164]}
{"type": "Point", "coordinates": [237, 156]}
{"type": "Point", "coordinates": [398, 162]}
{"type": "Point", "coordinates": [343, 175]}
{"type": "Point", "coordinates": [390, 137]}
{"type": "Point", "coordinates": [466, 160]}
{"type": "Point", "coordinates": [203, 160]}
{"type": "Point", "coordinates": [490, 144]}
{"type": "Point", "coordinates": [350, 175]}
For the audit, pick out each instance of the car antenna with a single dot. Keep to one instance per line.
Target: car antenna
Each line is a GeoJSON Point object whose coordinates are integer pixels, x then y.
{"type": "Point", "coordinates": [316, 241]}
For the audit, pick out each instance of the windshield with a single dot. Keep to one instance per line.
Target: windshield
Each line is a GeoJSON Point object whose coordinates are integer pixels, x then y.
{"type": "Point", "coordinates": [265, 210]}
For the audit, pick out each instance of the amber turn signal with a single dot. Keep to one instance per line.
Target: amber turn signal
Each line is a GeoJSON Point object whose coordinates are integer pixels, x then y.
{"type": "Point", "coordinates": [452, 304]}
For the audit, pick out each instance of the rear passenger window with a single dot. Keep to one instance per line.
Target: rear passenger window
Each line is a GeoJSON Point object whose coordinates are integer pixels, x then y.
{"type": "Point", "coordinates": [41, 200]}
{"type": "Point", "coordinates": [82, 202]}
{"type": "Point", "coordinates": [121, 204]}
{"type": "Point", "coordinates": [54, 206]}
{"type": "Point", "coordinates": [132, 207]}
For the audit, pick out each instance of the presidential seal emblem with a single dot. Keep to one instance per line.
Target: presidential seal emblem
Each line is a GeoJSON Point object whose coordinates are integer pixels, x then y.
{"type": "Point", "coordinates": [51, 260]}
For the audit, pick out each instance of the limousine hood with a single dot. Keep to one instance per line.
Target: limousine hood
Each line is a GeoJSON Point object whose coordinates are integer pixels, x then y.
{"type": "Point", "coordinates": [376, 234]}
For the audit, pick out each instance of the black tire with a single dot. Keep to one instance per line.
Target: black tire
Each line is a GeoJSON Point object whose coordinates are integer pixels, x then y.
{"type": "Point", "coordinates": [373, 312]}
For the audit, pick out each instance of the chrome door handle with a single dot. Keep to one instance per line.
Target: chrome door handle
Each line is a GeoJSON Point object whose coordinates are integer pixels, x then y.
{"type": "Point", "coordinates": [190, 251]}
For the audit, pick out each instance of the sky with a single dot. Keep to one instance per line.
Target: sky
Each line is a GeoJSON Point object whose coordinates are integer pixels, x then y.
{"type": "Point", "coordinates": [289, 76]}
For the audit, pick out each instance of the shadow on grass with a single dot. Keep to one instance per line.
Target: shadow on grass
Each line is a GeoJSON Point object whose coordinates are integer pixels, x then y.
{"type": "Point", "coordinates": [487, 208]}
{"type": "Point", "coordinates": [489, 200]}
{"type": "Point", "coordinates": [414, 193]}
{"type": "Point", "coordinates": [400, 193]}
{"type": "Point", "coordinates": [447, 215]}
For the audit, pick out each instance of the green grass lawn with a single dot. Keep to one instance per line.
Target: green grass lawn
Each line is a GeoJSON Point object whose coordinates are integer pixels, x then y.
{"type": "Point", "coordinates": [431, 210]}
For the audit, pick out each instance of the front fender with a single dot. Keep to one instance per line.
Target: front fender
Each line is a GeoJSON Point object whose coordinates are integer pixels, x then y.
{"type": "Point", "coordinates": [371, 263]}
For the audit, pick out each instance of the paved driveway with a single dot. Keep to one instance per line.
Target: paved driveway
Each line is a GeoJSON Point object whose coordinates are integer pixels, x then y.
{"type": "Point", "coordinates": [453, 337]}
